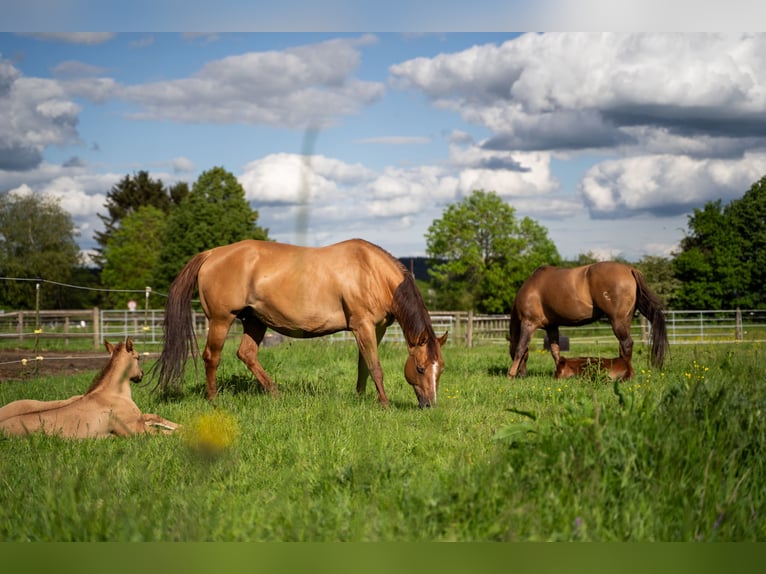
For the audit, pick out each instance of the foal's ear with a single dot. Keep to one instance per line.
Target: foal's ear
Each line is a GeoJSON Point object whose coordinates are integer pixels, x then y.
{"type": "Point", "coordinates": [443, 339]}
{"type": "Point", "coordinates": [109, 346]}
{"type": "Point", "coordinates": [129, 345]}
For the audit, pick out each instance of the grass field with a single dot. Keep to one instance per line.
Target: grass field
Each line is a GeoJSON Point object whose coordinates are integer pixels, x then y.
{"type": "Point", "coordinates": [673, 455]}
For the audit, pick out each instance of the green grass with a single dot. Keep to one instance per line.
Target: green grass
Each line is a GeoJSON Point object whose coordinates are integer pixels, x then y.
{"type": "Point", "coordinates": [671, 455]}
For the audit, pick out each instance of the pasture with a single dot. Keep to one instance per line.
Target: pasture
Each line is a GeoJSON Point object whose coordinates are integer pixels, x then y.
{"type": "Point", "coordinates": [672, 455]}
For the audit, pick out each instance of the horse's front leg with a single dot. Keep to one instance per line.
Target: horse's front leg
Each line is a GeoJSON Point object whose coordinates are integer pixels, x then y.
{"type": "Point", "coordinates": [367, 339]}
{"type": "Point", "coordinates": [155, 423]}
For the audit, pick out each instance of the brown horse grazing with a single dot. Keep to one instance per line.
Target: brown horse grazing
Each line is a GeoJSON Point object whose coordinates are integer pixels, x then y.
{"type": "Point", "coordinates": [553, 296]}
{"type": "Point", "coordinates": [617, 368]}
{"type": "Point", "coordinates": [106, 409]}
{"type": "Point", "coordinates": [300, 292]}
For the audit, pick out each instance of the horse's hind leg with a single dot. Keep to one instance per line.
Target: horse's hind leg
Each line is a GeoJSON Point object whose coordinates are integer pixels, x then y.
{"type": "Point", "coordinates": [553, 341]}
{"type": "Point", "coordinates": [521, 353]}
{"type": "Point", "coordinates": [212, 354]}
{"type": "Point", "coordinates": [248, 351]}
{"type": "Point", "coordinates": [622, 332]}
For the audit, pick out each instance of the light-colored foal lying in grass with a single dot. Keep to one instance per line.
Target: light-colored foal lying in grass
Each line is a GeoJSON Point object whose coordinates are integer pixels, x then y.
{"type": "Point", "coordinates": [106, 409]}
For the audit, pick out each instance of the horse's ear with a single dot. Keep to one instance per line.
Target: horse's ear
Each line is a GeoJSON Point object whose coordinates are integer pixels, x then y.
{"type": "Point", "coordinates": [129, 345]}
{"type": "Point", "coordinates": [443, 339]}
{"type": "Point", "coordinates": [109, 346]}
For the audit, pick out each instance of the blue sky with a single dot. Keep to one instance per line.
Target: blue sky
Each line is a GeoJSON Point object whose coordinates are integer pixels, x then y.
{"type": "Point", "coordinates": [608, 140]}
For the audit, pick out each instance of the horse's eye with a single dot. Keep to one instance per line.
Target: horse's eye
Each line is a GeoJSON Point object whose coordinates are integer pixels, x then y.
{"type": "Point", "coordinates": [421, 370]}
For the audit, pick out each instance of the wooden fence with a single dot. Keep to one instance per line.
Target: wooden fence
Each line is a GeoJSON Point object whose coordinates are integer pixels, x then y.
{"type": "Point", "coordinates": [88, 328]}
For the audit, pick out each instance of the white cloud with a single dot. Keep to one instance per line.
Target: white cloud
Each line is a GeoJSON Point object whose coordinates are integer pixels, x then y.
{"type": "Point", "coordinates": [34, 113]}
{"type": "Point", "coordinates": [292, 179]}
{"type": "Point", "coordinates": [183, 165]}
{"type": "Point", "coordinates": [666, 185]}
{"type": "Point", "coordinates": [570, 91]}
{"type": "Point", "coordinates": [297, 87]}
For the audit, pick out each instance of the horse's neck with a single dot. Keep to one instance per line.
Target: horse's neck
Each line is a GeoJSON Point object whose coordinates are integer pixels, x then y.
{"type": "Point", "coordinates": [115, 381]}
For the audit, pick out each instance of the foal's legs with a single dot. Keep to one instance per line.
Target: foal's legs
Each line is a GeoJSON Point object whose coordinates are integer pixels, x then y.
{"type": "Point", "coordinates": [248, 352]}
{"type": "Point", "coordinates": [216, 336]}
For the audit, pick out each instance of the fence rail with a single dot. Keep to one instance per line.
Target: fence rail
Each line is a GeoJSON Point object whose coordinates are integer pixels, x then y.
{"type": "Point", "coordinates": [88, 328]}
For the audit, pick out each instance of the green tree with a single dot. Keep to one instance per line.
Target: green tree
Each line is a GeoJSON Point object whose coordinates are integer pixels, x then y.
{"type": "Point", "coordinates": [131, 254]}
{"type": "Point", "coordinates": [717, 266]}
{"type": "Point", "coordinates": [214, 213]}
{"type": "Point", "coordinates": [482, 253]}
{"type": "Point", "coordinates": [37, 241]}
{"type": "Point", "coordinates": [660, 276]}
{"type": "Point", "coordinates": [127, 196]}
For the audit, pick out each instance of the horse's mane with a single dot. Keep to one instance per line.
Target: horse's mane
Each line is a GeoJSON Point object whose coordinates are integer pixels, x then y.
{"type": "Point", "coordinates": [100, 377]}
{"type": "Point", "coordinates": [411, 313]}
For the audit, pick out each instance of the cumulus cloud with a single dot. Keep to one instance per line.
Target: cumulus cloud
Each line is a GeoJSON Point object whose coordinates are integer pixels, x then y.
{"type": "Point", "coordinates": [579, 91]}
{"type": "Point", "coordinates": [682, 114]}
{"type": "Point", "coordinates": [297, 87]}
{"type": "Point", "coordinates": [183, 165]}
{"type": "Point", "coordinates": [666, 185]}
{"type": "Point", "coordinates": [34, 113]}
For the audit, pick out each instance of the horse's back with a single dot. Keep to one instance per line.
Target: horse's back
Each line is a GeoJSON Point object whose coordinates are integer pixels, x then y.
{"type": "Point", "coordinates": [298, 289]}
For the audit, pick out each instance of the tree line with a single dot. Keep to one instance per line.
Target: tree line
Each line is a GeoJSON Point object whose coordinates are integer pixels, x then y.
{"type": "Point", "coordinates": [479, 251]}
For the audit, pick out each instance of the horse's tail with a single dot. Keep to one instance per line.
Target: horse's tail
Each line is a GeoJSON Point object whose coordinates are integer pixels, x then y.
{"type": "Point", "coordinates": [650, 306]}
{"type": "Point", "coordinates": [179, 339]}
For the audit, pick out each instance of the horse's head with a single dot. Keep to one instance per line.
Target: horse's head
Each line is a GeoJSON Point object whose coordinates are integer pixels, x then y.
{"type": "Point", "coordinates": [127, 357]}
{"type": "Point", "coordinates": [423, 368]}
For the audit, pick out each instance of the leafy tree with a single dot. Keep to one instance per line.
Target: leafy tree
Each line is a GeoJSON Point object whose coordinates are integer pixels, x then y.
{"type": "Point", "coordinates": [722, 258]}
{"type": "Point", "coordinates": [131, 253]}
{"type": "Point", "coordinates": [127, 196]}
{"type": "Point", "coordinates": [660, 276]}
{"type": "Point", "coordinates": [482, 253]}
{"type": "Point", "coordinates": [37, 241]}
{"type": "Point", "coordinates": [214, 213]}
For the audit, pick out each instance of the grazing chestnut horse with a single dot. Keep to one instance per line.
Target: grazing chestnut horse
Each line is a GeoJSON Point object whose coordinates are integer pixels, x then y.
{"type": "Point", "coordinates": [300, 292]}
{"type": "Point", "coordinates": [617, 368]}
{"type": "Point", "coordinates": [553, 296]}
{"type": "Point", "coordinates": [106, 409]}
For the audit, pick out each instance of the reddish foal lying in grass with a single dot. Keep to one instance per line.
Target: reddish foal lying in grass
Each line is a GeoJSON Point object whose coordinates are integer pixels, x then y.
{"type": "Point", "coordinates": [106, 409]}
{"type": "Point", "coordinates": [617, 368]}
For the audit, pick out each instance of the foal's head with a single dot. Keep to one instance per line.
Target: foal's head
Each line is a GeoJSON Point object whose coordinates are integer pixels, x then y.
{"type": "Point", "coordinates": [125, 358]}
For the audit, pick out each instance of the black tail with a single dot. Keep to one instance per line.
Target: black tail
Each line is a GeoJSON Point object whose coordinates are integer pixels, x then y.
{"type": "Point", "coordinates": [650, 306]}
{"type": "Point", "coordinates": [179, 340]}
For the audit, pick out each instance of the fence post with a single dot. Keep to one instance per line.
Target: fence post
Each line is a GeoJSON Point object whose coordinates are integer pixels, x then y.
{"type": "Point", "coordinates": [96, 328]}
{"type": "Point", "coordinates": [469, 330]}
{"type": "Point", "coordinates": [738, 326]}
{"type": "Point", "coordinates": [20, 326]}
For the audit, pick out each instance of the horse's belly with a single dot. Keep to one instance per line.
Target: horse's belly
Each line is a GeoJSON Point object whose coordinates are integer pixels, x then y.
{"type": "Point", "coordinates": [302, 321]}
